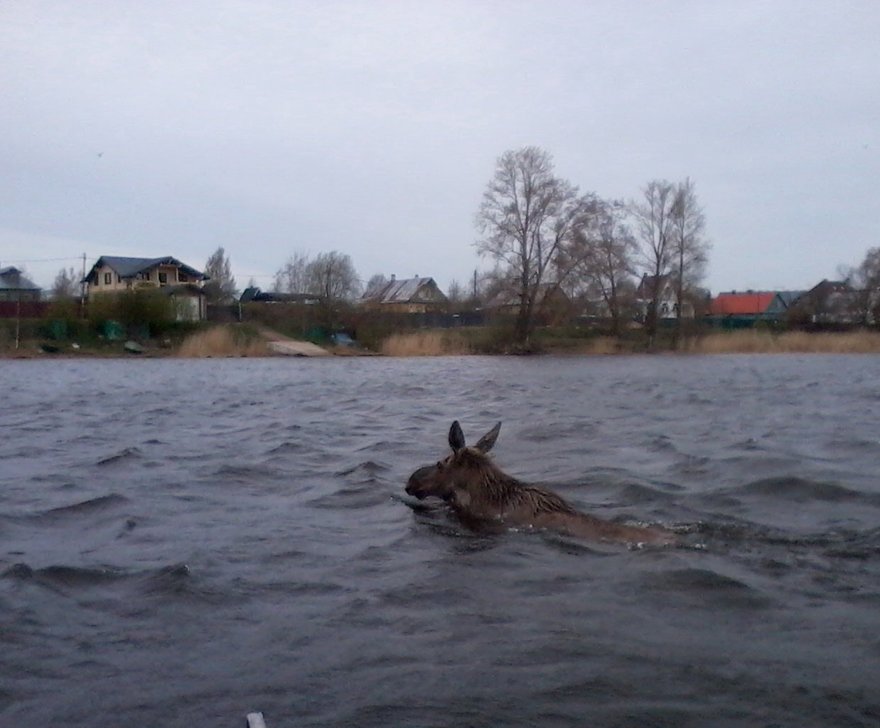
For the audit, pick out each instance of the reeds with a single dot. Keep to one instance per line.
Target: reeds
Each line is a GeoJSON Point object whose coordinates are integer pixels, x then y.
{"type": "Point", "coordinates": [221, 341]}
{"type": "Point", "coordinates": [426, 343]}
{"type": "Point", "coordinates": [790, 342]}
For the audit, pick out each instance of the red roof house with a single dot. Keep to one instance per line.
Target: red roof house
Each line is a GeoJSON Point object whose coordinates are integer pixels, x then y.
{"type": "Point", "coordinates": [750, 303]}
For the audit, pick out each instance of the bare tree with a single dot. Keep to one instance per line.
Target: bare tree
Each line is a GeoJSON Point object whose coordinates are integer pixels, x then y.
{"type": "Point", "coordinates": [67, 284]}
{"type": "Point", "coordinates": [526, 215]}
{"type": "Point", "coordinates": [689, 246]}
{"type": "Point", "coordinates": [652, 221]}
{"type": "Point", "coordinates": [376, 283]}
{"type": "Point", "coordinates": [221, 284]}
{"type": "Point", "coordinates": [291, 277]}
{"type": "Point", "coordinates": [865, 281]}
{"type": "Point", "coordinates": [332, 276]}
{"type": "Point", "coordinates": [603, 255]}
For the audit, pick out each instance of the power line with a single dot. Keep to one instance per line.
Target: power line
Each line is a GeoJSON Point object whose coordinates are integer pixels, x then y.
{"type": "Point", "coordinates": [41, 260]}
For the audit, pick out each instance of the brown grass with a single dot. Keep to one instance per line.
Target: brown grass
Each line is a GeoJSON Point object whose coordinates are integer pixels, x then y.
{"type": "Point", "coordinates": [426, 343]}
{"type": "Point", "coordinates": [792, 342]}
{"type": "Point", "coordinates": [222, 341]}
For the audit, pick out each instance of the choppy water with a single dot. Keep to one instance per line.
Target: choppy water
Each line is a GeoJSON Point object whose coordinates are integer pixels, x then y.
{"type": "Point", "coordinates": [182, 542]}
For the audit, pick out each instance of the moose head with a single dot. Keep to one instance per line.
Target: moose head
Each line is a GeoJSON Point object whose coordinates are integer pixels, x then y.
{"type": "Point", "coordinates": [457, 470]}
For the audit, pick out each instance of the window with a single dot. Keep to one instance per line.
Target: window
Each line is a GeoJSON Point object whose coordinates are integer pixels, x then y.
{"type": "Point", "coordinates": [107, 278]}
{"type": "Point", "coordinates": [182, 277]}
{"type": "Point", "coordinates": [163, 278]}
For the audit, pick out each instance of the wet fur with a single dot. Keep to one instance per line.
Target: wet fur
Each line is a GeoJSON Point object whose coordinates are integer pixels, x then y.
{"type": "Point", "coordinates": [481, 494]}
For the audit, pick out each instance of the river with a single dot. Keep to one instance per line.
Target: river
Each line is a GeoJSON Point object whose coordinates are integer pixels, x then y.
{"type": "Point", "coordinates": [184, 542]}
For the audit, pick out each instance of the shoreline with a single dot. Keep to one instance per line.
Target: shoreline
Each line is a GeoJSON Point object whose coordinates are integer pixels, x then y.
{"type": "Point", "coordinates": [864, 343]}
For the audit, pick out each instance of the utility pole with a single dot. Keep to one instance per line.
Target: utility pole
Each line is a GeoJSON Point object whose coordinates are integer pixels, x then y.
{"type": "Point", "coordinates": [82, 290]}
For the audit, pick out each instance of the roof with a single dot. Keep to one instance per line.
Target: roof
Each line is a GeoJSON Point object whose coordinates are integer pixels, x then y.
{"type": "Point", "coordinates": [253, 293]}
{"type": "Point", "coordinates": [405, 290]}
{"type": "Point", "coordinates": [11, 279]}
{"type": "Point", "coordinates": [511, 297]}
{"type": "Point", "coordinates": [741, 304]}
{"type": "Point", "coordinates": [130, 267]}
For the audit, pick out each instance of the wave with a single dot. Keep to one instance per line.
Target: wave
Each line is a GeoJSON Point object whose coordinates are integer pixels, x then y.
{"type": "Point", "coordinates": [799, 490]}
{"type": "Point", "coordinates": [129, 453]}
{"type": "Point", "coordinates": [368, 467]}
{"type": "Point", "coordinates": [64, 576]}
{"type": "Point", "coordinates": [93, 505]}
{"type": "Point", "coordinates": [709, 587]}
{"type": "Point", "coordinates": [163, 580]}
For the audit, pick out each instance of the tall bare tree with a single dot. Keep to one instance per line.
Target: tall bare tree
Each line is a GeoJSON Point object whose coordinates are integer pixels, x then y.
{"type": "Point", "coordinates": [291, 277]}
{"type": "Point", "coordinates": [603, 253]}
{"type": "Point", "coordinates": [652, 221]}
{"type": "Point", "coordinates": [527, 214]}
{"type": "Point", "coordinates": [689, 246]}
{"type": "Point", "coordinates": [221, 284]}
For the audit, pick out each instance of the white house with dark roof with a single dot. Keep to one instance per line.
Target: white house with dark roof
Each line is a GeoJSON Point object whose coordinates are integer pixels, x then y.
{"type": "Point", "coordinates": [183, 283]}
{"type": "Point", "coordinates": [406, 295]}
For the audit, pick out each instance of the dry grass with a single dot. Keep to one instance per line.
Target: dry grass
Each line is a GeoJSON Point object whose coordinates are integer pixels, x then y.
{"type": "Point", "coordinates": [426, 343]}
{"type": "Point", "coordinates": [598, 346]}
{"type": "Point", "coordinates": [764, 342]}
{"type": "Point", "coordinates": [222, 341]}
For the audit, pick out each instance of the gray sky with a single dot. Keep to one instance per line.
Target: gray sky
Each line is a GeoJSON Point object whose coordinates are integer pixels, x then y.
{"type": "Point", "coordinates": [372, 128]}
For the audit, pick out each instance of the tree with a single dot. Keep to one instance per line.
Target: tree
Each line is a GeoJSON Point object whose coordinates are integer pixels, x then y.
{"type": "Point", "coordinates": [332, 277]}
{"type": "Point", "coordinates": [220, 286]}
{"type": "Point", "coordinates": [526, 216]}
{"type": "Point", "coordinates": [652, 219]}
{"type": "Point", "coordinates": [603, 254]}
{"type": "Point", "coordinates": [67, 284]}
{"type": "Point", "coordinates": [689, 247]}
{"type": "Point", "coordinates": [291, 277]}
{"type": "Point", "coordinates": [376, 283]}
{"type": "Point", "coordinates": [865, 280]}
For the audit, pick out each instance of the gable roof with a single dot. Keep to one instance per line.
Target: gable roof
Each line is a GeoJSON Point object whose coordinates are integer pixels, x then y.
{"type": "Point", "coordinates": [645, 289]}
{"type": "Point", "coordinates": [405, 290]}
{"type": "Point", "coordinates": [741, 304]}
{"type": "Point", "coordinates": [129, 267]}
{"type": "Point", "coordinates": [11, 279]}
{"type": "Point", "coordinates": [544, 293]}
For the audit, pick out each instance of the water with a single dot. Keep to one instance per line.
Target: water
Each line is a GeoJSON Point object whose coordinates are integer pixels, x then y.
{"type": "Point", "coordinates": [183, 542]}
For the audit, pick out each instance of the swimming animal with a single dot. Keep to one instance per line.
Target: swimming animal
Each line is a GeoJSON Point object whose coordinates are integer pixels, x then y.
{"type": "Point", "coordinates": [481, 494]}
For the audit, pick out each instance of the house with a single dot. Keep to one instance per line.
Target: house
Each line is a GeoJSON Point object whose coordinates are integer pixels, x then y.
{"type": "Point", "coordinates": [740, 309]}
{"type": "Point", "coordinates": [550, 301]}
{"type": "Point", "coordinates": [667, 303]}
{"type": "Point", "coordinates": [14, 286]}
{"type": "Point", "coordinates": [405, 295]}
{"type": "Point", "coordinates": [830, 303]}
{"type": "Point", "coordinates": [116, 274]}
{"type": "Point", "coordinates": [19, 296]}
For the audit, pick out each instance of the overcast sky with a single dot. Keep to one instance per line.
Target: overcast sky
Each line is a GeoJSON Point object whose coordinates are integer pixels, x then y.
{"type": "Point", "coordinates": [372, 128]}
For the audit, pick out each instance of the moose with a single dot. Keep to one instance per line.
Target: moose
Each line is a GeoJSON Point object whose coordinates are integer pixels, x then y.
{"type": "Point", "coordinates": [481, 494]}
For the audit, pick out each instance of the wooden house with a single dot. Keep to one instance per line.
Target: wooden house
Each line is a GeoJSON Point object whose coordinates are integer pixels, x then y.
{"type": "Point", "coordinates": [405, 295]}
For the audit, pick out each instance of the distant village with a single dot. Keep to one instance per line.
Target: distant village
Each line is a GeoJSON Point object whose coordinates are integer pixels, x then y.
{"type": "Point", "coordinates": [827, 303]}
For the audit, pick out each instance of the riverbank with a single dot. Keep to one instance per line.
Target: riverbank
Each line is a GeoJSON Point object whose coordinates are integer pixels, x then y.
{"type": "Point", "coordinates": [237, 340]}
{"type": "Point", "coordinates": [457, 342]}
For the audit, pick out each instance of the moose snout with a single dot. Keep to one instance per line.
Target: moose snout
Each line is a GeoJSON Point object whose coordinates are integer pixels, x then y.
{"type": "Point", "coordinates": [416, 484]}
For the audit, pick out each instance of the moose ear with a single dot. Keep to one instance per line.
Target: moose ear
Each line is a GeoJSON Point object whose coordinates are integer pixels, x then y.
{"type": "Point", "coordinates": [456, 437]}
{"type": "Point", "coordinates": [488, 440]}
